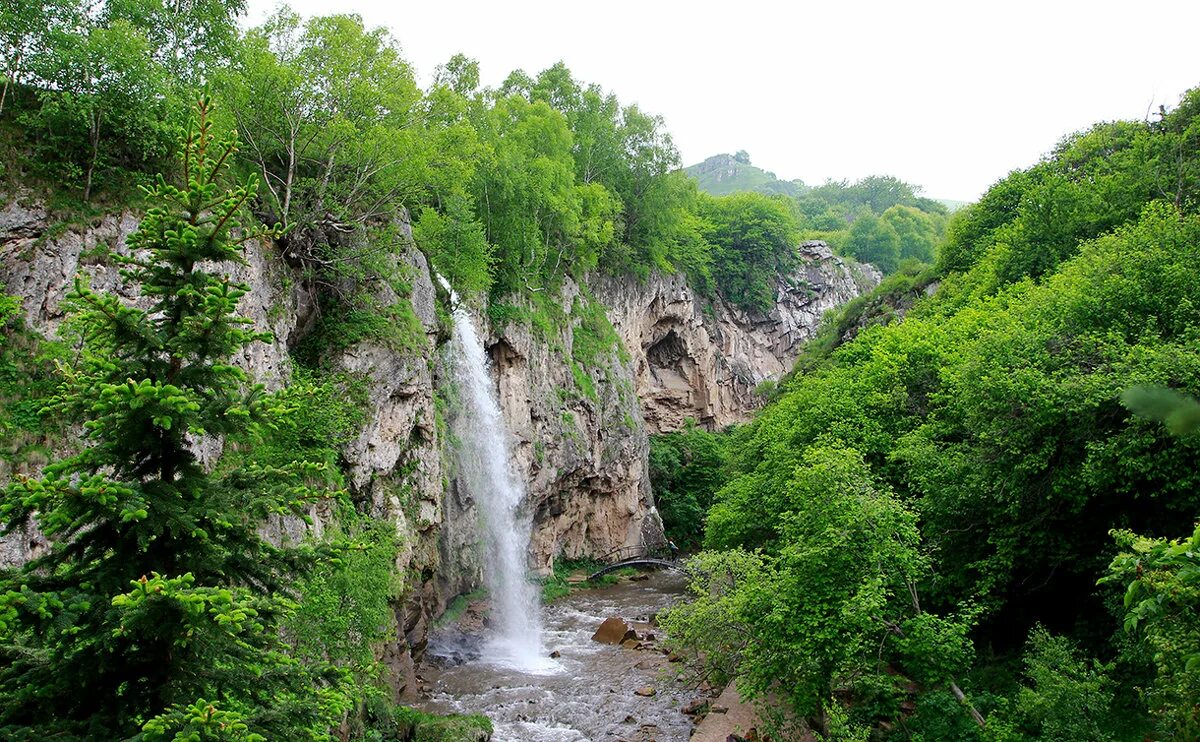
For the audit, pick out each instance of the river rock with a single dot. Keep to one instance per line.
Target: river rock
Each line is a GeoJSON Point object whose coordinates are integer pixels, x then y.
{"type": "Point", "coordinates": [646, 691]}
{"type": "Point", "coordinates": [696, 707]}
{"type": "Point", "coordinates": [631, 644]}
{"type": "Point", "coordinates": [614, 630]}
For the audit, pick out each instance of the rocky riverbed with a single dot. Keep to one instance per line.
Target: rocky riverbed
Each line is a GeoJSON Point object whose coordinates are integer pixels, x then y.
{"type": "Point", "coordinates": [588, 691]}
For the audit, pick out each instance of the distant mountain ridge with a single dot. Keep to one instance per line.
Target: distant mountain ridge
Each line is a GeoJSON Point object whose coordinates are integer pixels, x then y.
{"type": "Point", "coordinates": [723, 174]}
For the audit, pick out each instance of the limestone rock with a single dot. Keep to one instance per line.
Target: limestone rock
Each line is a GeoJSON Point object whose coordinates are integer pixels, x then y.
{"type": "Point", "coordinates": [701, 359]}
{"type": "Point", "coordinates": [583, 453]}
{"type": "Point", "coordinates": [398, 450]}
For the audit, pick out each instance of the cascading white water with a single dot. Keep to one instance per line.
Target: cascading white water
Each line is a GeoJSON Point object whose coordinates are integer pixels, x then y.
{"type": "Point", "coordinates": [484, 457]}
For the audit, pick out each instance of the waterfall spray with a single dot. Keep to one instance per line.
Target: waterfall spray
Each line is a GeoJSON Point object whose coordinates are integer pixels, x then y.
{"type": "Point", "coordinates": [485, 460]}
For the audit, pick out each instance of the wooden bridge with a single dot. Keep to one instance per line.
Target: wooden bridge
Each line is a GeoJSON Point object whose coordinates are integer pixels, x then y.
{"type": "Point", "coordinates": [659, 556]}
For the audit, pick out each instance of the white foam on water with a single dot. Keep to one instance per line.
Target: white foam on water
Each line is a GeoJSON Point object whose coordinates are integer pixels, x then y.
{"type": "Point", "coordinates": [485, 459]}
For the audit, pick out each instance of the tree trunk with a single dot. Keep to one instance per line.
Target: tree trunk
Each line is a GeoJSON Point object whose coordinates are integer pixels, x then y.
{"type": "Point", "coordinates": [962, 698]}
{"type": "Point", "coordinates": [94, 136]}
{"type": "Point", "coordinates": [287, 186]}
{"type": "Point", "coordinates": [10, 79]}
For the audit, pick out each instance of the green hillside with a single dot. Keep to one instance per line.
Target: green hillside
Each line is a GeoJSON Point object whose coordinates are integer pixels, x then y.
{"type": "Point", "coordinates": [723, 174]}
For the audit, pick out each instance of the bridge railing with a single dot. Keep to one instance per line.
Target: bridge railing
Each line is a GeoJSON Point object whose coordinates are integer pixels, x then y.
{"type": "Point", "coordinates": [636, 551]}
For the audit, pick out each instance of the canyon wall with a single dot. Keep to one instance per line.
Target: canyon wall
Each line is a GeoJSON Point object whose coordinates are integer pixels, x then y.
{"type": "Point", "coordinates": [579, 424]}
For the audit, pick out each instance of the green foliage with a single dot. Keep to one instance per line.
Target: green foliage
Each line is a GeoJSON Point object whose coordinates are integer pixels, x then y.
{"type": "Point", "coordinates": [968, 415]}
{"type": "Point", "coordinates": [502, 314]}
{"type": "Point", "coordinates": [106, 111]}
{"type": "Point", "coordinates": [1066, 697]}
{"type": "Point", "coordinates": [111, 80]}
{"type": "Point", "coordinates": [686, 468]}
{"type": "Point", "coordinates": [1179, 412]}
{"type": "Point", "coordinates": [158, 590]}
{"type": "Point", "coordinates": [345, 607]}
{"type": "Point", "coordinates": [754, 242]}
{"type": "Point", "coordinates": [346, 321]}
{"type": "Point", "coordinates": [202, 720]}
{"type": "Point", "coordinates": [1092, 182]}
{"type": "Point", "coordinates": [543, 223]}
{"type": "Point", "coordinates": [326, 110]}
{"type": "Point", "coordinates": [1161, 606]}
{"type": "Point", "coordinates": [879, 220]}
{"type": "Point", "coordinates": [557, 585]}
{"type": "Point", "coordinates": [459, 605]}
{"type": "Point", "coordinates": [456, 245]}
{"type": "Point", "coordinates": [426, 727]}
{"type": "Point", "coordinates": [901, 233]}
{"type": "Point", "coordinates": [873, 240]}
{"type": "Point", "coordinates": [593, 339]}
{"type": "Point", "coordinates": [832, 596]}
{"type": "Point", "coordinates": [28, 380]}
{"type": "Point", "coordinates": [995, 418]}
{"type": "Point", "coordinates": [917, 231]}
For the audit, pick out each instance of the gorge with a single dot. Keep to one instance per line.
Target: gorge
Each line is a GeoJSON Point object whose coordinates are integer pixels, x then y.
{"type": "Point", "coordinates": [582, 459]}
{"type": "Point", "coordinates": [341, 389]}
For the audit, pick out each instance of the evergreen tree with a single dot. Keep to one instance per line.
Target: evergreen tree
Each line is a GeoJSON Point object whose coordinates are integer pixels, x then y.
{"type": "Point", "coordinates": [157, 609]}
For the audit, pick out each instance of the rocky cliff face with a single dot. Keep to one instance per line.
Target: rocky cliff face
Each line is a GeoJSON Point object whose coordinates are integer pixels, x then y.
{"type": "Point", "coordinates": [701, 359]}
{"type": "Point", "coordinates": [579, 426]}
{"type": "Point", "coordinates": [580, 440]}
{"type": "Point", "coordinates": [394, 465]}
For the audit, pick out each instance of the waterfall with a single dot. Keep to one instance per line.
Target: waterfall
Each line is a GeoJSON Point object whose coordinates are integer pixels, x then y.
{"type": "Point", "coordinates": [485, 460]}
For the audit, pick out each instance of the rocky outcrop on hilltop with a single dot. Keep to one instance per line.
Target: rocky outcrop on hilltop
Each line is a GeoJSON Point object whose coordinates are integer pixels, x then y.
{"type": "Point", "coordinates": [702, 359]}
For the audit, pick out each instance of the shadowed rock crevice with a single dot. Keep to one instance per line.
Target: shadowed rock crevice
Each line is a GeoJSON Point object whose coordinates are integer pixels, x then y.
{"type": "Point", "coordinates": [701, 358]}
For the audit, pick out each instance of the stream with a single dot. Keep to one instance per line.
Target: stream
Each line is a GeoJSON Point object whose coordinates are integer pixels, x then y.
{"type": "Point", "coordinates": [584, 695]}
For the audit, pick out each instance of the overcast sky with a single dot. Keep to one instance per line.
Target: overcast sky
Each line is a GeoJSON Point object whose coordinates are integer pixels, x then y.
{"type": "Point", "coordinates": [949, 96]}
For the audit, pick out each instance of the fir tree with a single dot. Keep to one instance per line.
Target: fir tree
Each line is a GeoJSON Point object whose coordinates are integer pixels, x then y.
{"type": "Point", "coordinates": [157, 609]}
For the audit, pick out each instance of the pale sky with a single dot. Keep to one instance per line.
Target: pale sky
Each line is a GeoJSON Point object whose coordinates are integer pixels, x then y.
{"type": "Point", "coordinates": [949, 96]}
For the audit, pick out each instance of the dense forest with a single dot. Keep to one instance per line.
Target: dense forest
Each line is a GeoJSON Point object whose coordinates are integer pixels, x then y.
{"type": "Point", "coordinates": [978, 522]}
{"type": "Point", "coordinates": [968, 513]}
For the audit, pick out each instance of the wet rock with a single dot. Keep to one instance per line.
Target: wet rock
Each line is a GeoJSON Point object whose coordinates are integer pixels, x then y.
{"type": "Point", "coordinates": [646, 691]}
{"type": "Point", "coordinates": [639, 578]}
{"type": "Point", "coordinates": [719, 709]}
{"type": "Point", "coordinates": [614, 630]}
{"type": "Point", "coordinates": [697, 707]}
{"type": "Point", "coordinates": [631, 644]}
{"type": "Point", "coordinates": [555, 654]}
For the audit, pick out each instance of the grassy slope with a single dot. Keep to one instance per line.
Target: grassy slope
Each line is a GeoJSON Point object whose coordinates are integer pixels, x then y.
{"type": "Point", "coordinates": [746, 177]}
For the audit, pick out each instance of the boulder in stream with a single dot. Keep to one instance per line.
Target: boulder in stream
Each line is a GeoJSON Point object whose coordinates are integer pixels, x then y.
{"type": "Point", "coordinates": [614, 630]}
